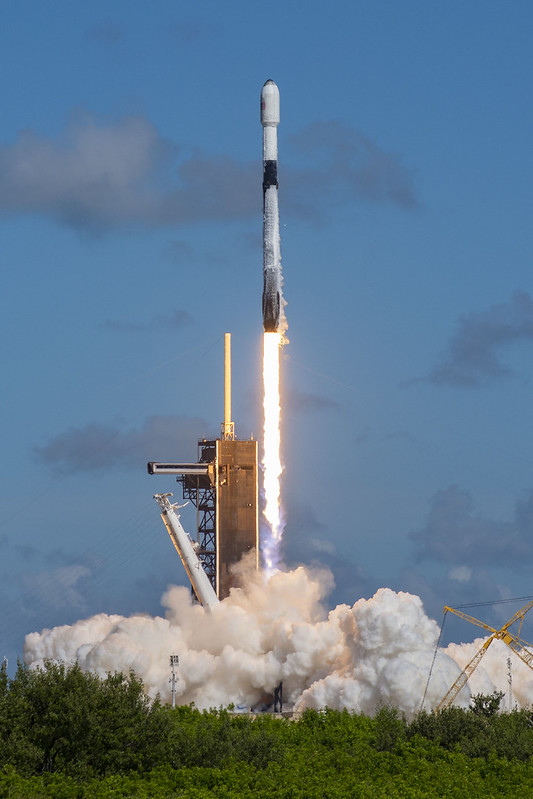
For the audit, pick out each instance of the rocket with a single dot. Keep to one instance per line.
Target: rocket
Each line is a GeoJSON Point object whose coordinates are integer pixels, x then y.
{"type": "Point", "coordinates": [272, 277]}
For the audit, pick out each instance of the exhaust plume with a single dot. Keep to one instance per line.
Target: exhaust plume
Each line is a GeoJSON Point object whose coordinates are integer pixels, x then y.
{"type": "Point", "coordinates": [377, 651]}
{"type": "Point", "coordinates": [272, 468]}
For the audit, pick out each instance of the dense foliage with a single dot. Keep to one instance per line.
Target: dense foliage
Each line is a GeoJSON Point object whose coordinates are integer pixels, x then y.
{"type": "Point", "coordinates": [65, 733]}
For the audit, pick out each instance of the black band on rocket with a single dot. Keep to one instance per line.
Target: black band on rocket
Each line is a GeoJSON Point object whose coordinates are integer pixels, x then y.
{"type": "Point", "coordinates": [270, 174]}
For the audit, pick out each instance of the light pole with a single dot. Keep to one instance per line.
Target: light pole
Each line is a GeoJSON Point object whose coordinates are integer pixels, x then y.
{"type": "Point", "coordinates": [174, 663]}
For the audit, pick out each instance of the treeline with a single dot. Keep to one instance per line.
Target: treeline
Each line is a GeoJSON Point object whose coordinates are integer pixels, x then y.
{"type": "Point", "coordinates": [65, 733]}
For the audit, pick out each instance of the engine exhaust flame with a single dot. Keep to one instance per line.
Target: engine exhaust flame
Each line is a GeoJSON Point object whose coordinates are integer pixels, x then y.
{"type": "Point", "coordinates": [272, 467]}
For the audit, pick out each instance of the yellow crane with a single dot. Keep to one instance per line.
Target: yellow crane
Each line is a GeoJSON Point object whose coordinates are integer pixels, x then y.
{"type": "Point", "coordinates": [513, 641]}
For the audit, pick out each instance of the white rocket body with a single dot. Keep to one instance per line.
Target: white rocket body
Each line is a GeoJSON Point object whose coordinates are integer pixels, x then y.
{"type": "Point", "coordinates": [272, 277]}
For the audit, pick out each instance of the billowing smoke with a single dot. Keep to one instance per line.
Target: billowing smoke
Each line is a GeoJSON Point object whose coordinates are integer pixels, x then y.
{"type": "Point", "coordinates": [378, 651]}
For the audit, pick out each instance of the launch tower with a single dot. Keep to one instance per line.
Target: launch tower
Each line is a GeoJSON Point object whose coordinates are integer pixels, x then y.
{"type": "Point", "coordinates": [223, 486]}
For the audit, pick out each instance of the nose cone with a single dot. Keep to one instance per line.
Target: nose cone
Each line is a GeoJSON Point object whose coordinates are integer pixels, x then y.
{"type": "Point", "coordinates": [270, 104]}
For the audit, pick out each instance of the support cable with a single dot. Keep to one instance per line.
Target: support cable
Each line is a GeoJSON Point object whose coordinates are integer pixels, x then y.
{"type": "Point", "coordinates": [433, 661]}
{"type": "Point", "coordinates": [495, 602]}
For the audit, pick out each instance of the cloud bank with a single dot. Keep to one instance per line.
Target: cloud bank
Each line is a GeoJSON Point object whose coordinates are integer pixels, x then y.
{"type": "Point", "coordinates": [348, 167]}
{"type": "Point", "coordinates": [454, 534]}
{"type": "Point", "coordinates": [97, 447]}
{"type": "Point", "coordinates": [473, 355]}
{"type": "Point", "coordinates": [101, 175]}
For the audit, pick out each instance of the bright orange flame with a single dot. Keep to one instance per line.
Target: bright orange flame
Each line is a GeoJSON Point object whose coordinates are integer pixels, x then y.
{"type": "Point", "coordinates": [272, 468]}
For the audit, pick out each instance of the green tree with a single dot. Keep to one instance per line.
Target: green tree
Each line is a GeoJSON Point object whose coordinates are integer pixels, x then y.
{"type": "Point", "coordinates": [59, 718]}
{"type": "Point", "coordinates": [486, 704]}
{"type": "Point", "coordinates": [389, 728]}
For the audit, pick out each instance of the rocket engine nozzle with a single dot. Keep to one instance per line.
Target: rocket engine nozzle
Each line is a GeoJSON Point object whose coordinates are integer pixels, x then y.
{"type": "Point", "coordinates": [271, 312]}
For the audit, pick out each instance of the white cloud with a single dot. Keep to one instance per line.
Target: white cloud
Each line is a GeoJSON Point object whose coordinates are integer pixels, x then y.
{"type": "Point", "coordinates": [461, 574]}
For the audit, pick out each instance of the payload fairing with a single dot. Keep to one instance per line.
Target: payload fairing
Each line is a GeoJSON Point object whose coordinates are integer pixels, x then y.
{"type": "Point", "coordinates": [272, 277]}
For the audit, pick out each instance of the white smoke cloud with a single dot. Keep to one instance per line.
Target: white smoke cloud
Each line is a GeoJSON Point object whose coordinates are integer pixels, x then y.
{"type": "Point", "coordinates": [378, 651]}
{"type": "Point", "coordinates": [388, 644]}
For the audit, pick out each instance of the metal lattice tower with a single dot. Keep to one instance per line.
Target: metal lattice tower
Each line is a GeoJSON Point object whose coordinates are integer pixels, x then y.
{"type": "Point", "coordinates": [202, 494]}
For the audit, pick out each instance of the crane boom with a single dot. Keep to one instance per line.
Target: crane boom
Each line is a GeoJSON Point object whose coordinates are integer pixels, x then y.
{"type": "Point", "coordinates": [469, 618]}
{"type": "Point", "coordinates": [520, 614]}
{"type": "Point", "coordinates": [517, 645]}
{"type": "Point", "coordinates": [464, 676]}
{"type": "Point", "coordinates": [514, 642]}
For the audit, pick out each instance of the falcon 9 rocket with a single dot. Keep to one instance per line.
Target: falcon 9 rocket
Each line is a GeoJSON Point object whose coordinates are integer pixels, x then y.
{"type": "Point", "coordinates": [272, 277]}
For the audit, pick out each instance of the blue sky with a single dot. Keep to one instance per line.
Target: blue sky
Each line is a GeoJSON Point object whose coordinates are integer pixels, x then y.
{"type": "Point", "coordinates": [130, 219]}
